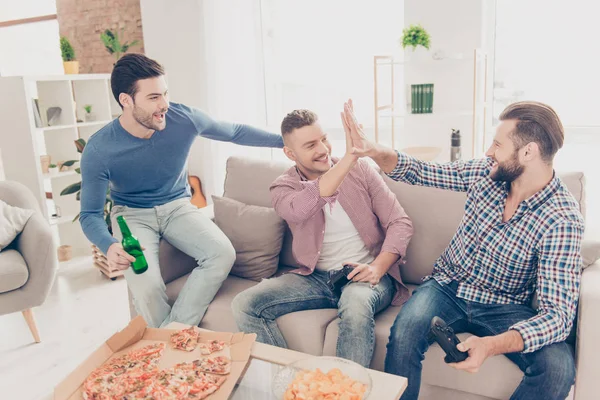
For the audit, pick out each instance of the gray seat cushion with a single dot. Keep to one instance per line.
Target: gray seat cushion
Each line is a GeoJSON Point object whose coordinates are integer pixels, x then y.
{"type": "Point", "coordinates": [13, 270]}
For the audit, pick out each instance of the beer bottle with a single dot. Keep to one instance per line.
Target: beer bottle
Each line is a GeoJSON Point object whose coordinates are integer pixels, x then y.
{"type": "Point", "coordinates": [132, 246]}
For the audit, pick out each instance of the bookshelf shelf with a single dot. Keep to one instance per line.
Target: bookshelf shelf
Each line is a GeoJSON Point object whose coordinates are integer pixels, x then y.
{"type": "Point", "coordinates": [393, 98]}
{"type": "Point", "coordinates": [28, 137]}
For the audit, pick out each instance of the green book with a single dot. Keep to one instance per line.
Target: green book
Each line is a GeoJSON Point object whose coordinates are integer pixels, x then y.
{"type": "Point", "coordinates": [430, 98]}
{"type": "Point", "coordinates": [413, 99]}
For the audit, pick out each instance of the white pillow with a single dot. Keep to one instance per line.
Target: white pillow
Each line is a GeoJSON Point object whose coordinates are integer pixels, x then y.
{"type": "Point", "coordinates": [12, 221]}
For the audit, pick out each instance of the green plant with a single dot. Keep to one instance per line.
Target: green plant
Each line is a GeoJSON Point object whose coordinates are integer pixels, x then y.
{"type": "Point", "coordinates": [113, 44]}
{"type": "Point", "coordinates": [52, 166]}
{"type": "Point", "coordinates": [415, 35]}
{"type": "Point", "coordinates": [88, 108]}
{"type": "Point", "coordinates": [75, 188]}
{"type": "Point", "coordinates": [67, 52]}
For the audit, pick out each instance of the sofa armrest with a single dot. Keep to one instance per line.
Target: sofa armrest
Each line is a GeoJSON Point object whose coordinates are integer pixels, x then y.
{"type": "Point", "coordinates": [588, 334]}
{"type": "Point", "coordinates": [18, 195]}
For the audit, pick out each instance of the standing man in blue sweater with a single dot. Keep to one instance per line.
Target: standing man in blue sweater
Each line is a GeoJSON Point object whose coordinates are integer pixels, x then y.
{"type": "Point", "coordinates": [142, 156]}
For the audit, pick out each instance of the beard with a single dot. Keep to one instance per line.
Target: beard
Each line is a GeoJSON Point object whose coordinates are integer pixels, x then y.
{"type": "Point", "coordinates": [147, 119]}
{"type": "Point", "coordinates": [508, 171]}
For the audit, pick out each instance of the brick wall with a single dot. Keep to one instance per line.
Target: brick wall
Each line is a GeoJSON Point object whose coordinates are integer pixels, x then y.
{"type": "Point", "coordinates": [82, 21]}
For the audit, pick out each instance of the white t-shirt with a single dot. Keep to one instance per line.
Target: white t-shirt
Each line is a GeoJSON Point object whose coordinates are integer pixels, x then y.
{"type": "Point", "coordinates": [341, 242]}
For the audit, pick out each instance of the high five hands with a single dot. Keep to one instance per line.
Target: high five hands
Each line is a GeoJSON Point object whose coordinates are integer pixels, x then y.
{"type": "Point", "coordinates": [357, 143]}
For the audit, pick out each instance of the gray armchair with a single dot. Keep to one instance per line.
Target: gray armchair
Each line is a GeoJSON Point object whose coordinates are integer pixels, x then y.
{"type": "Point", "coordinates": [28, 265]}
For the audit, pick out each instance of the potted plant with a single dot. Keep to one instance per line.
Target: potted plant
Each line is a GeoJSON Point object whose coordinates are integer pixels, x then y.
{"type": "Point", "coordinates": [53, 168]}
{"type": "Point", "coordinates": [415, 36]}
{"type": "Point", "coordinates": [70, 65]}
{"type": "Point", "coordinates": [89, 115]}
{"type": "Point", "coordinates": [113, 45]}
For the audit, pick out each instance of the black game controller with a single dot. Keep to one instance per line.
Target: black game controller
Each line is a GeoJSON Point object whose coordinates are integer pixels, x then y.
{"type": "Point", "coordinates": [338, 278]}
{"type": "Point", "coordinates": [445, 337]}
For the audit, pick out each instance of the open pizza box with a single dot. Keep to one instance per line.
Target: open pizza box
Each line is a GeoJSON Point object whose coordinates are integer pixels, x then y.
{"type": "Point", "coordinates": [137, 334]}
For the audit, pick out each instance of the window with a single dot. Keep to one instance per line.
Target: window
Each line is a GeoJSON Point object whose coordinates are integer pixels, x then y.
{"type": "Point", "coordinates": [320, 53]}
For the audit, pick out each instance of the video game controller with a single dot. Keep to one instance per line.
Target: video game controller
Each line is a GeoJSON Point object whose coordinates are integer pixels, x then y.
{"type": "Point", "coordinates": [338, 278]}
{"type": "Point", "coordinates": [445, 337]}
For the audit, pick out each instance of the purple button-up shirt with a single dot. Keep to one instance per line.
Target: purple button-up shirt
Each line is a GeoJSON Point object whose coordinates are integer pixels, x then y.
{"type": "Point", "coordinates": [371, 206]}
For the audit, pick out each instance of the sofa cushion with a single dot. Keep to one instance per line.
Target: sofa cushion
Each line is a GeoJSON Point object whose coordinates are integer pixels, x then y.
{"type": "Point", "coordinates": [575, 182]}
{"type": "Point", "coordinates": [256, 234]}
{"type": "Point", "coordinates": [12, 222]}
{"type": "Point", "coordinates": [13, 270]}
{"type": "Point", "coordinates": [436, 215]}
{"type": "Point", "coordinates": [590, 252]}
{"type": "Point", "coordinates": [248, 181]}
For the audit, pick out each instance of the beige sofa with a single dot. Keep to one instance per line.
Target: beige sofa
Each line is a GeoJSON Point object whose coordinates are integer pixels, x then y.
{"type": "Point", "coordinates": [436, 215]}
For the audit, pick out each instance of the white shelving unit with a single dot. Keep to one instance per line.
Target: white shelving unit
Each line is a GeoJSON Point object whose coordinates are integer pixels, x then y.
{"type": "Point", "coordinates": [23, 141]}
{"type": "Point", "coordinates": [465, 108]}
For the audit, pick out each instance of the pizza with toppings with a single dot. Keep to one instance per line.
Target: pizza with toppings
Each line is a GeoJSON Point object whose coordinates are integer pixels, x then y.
{"type": "Point", "coordinates": [123, 374]}
{"type": "Point", "coordinates": [185, 381]}
{"type": "Point", "coordinates": [136, 376]}
{"type": "Point", "coordinates": [214, 365]}
{"type": "Point", "coordinates": [185, 339]}
{"type": "Point", "coordinates": [211, 346]}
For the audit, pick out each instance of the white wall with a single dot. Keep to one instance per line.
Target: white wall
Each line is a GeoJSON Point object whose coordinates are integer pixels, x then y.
{"type": "Point", "coordinates": [183, 56]}
{"type": "Point", "coordinates": [213, 66]}
{"type": "Point", "coordinates": [456, 28]}
{"type": "Point", "coordinates": [29, 49]}
{"type": "Point", "coordinates": [2, 176]}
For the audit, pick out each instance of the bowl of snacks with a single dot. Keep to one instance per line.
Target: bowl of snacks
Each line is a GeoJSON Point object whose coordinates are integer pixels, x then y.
{"type": "Point", "coordinates": [322, 378]}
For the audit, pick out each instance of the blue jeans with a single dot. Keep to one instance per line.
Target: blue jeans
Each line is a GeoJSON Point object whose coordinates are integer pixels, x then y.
{"type": "Point", "coordinates": [184, 226]}
{"type": "Point", "coordinates": [549, 372]}
{"type": "Point", "coordinates": [256, 309]}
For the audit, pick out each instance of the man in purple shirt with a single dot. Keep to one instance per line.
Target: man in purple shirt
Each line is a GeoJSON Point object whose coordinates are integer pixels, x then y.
{"type": "Point", "coordinates": [340, 212]}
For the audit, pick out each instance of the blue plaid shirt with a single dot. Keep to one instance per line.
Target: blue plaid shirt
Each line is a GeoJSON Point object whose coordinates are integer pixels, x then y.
{"type": "Point", "coordinates": [536, 251]}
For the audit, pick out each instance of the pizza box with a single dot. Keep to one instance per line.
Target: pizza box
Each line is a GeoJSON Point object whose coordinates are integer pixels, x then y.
{"type": "Point", "coordinates": [137, 334]}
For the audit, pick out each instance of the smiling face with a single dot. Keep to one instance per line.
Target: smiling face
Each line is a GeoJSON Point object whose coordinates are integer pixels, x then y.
{"type": "Point", "coordinates": [505, 154]}
{"type": "Point", "coordinates": [309, 148]}
{"type": "Point", "coordinates": [150, 103]}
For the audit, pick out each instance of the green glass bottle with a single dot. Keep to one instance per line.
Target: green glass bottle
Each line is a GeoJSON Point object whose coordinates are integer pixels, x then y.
{"type": "Point", "coordinates": [132, 246]}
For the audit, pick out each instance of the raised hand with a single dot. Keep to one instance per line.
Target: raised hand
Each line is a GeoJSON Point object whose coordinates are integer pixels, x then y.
{"type": "Point", "coordinates": [356, 140]}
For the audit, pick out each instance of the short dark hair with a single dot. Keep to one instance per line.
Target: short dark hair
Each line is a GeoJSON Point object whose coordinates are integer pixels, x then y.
{"type": "Point", "coordinates": [128, 70]}
{"type": "Point", "coordinates": [297, 119]}
{"type": "Point", "coordinates": [536, 122]}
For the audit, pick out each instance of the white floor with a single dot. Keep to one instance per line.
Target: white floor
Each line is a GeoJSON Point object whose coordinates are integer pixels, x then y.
{"type": "Point", "coordinates": [81, 312]}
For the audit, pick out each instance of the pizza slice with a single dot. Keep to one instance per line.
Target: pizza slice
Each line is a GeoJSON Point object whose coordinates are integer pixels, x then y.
{"type": "Point", "coordinates": [214, 365]}
{"type": "Point", "coordinates": [182, 381]}
{"type": "Point", "coordinates": [185, 339]}
{"type": "Point", "coordinates": [123, 374]}
{"type": "Point", "coordinates": [211, 346]}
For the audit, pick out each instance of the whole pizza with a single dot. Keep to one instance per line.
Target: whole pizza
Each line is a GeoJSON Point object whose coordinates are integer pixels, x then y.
{"type": "Point", "coordinates": [136, 376]}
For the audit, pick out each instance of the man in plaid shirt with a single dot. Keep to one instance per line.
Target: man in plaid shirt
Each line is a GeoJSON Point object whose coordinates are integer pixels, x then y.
{"type": "Point", "coordinates": [520, 235]}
